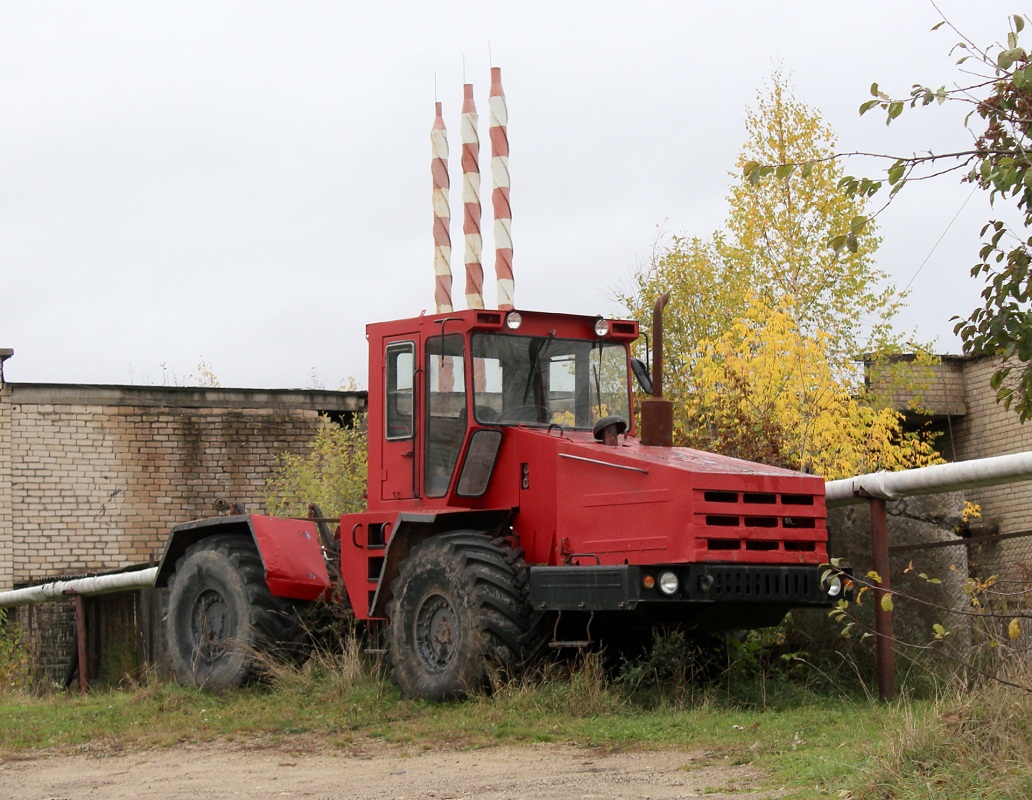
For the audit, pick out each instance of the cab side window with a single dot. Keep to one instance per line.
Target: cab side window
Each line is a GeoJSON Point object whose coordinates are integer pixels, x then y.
{"type": "Point", "coordinates": [400, 361]}
{"type": "Point", "coordinates": [445, 410]}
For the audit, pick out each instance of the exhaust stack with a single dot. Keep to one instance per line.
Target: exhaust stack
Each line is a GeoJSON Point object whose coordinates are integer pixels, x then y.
{"type": "Point", "coordinates": [657, 413]}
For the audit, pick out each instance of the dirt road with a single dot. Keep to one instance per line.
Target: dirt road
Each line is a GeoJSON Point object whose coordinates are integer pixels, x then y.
{"type": "Point", "coordinates": [305, 769]}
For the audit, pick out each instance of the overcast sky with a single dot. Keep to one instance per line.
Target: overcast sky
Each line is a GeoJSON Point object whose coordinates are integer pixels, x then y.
{"type": "Point", "coordinates": [248, 183]}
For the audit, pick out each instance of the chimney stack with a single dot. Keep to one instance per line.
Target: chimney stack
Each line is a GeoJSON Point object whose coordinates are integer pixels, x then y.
{"type": "Point", "coordinates": [471, 201]}
{"type": "Point", "coordinates": [442, 214]}
{"type": "Point", "coordinates": [500, 194]}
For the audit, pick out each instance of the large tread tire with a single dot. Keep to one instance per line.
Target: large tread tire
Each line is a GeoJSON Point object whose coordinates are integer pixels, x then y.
{"type": "Point", "coordinates": [458, 617]}
{"type": "Point", "coordinates": [536, 625]}
{"type": "Point", "coordinates": [221, 619]}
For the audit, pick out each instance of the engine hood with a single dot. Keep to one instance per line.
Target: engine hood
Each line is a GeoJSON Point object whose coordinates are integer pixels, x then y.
{"type": "Point", "coordinates": [630, 452]}
{"type": "Point", "coordinates": [638, 504]}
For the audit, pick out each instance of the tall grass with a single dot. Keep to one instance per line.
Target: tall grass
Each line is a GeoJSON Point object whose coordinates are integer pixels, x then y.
{"type": "Point", "coordinates": [971, 742]}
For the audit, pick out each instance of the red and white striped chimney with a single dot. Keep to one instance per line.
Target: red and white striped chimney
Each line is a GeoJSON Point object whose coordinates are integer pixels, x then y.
{"type": "Point", "coordinates": [442, 214]}
{"type": "Point", "coordinates": [500, 193]}
{"type": "Point", "coordinates": [471, 201]}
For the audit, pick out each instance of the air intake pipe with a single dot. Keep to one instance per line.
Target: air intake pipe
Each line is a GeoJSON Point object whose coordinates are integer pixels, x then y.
{"type": "Point", "coordinates": [657, 413]}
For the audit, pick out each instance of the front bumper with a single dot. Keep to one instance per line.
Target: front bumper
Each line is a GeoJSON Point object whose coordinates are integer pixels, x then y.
{"type": "Point", "coordinates": [625, 587]}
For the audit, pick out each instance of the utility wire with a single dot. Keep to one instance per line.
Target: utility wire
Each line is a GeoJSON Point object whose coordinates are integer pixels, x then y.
{"type": "Point", "coordinates": [938, 241]}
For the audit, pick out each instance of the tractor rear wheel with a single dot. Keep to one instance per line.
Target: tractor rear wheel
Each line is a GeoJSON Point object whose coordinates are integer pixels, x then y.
{"type": "Point", "coordinates": [458, 615]}
{"type": "Point", "coordinates": [221, 617]}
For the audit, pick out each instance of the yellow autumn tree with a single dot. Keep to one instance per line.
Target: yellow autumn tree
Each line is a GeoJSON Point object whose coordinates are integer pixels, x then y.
{"type": "Point", "coordinates": [779, 230]}
{"type": "Point", "coordinates": [766, 391]}
{"type": "Point", "coordinates": [766, 321]}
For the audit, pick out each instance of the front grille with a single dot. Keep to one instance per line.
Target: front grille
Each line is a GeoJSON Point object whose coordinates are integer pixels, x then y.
{"type": "Point", "coordinates": [758, 521]}
{"type": "Point", "coordinates": [723, 583]}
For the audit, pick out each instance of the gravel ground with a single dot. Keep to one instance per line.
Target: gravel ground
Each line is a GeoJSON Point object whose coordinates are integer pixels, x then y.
{"type": "Point", "coordinates": [304, 768]}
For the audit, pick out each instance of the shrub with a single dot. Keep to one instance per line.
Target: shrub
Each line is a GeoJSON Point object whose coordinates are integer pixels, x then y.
{"type": "Point", "coordinates": [15, 660]}
{"type": "Point", "coordinates": [332, 475]}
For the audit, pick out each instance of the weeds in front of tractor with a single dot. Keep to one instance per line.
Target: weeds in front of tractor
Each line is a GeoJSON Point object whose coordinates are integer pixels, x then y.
{"type": "Point", "coordinates": [750, 701]}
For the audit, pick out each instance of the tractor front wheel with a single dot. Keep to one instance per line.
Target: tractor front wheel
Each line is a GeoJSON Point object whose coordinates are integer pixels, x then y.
{"type": "Point", "coordinates": [458, 614]}
{"type": "Point", "coordinates": [221, 617]}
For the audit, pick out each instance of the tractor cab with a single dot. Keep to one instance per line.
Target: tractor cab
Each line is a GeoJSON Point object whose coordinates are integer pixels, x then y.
{"type": "Point", "coordinates": [450, 385]}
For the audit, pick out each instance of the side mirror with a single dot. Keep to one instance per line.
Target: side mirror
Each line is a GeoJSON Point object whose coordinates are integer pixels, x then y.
{"type": "Point", "coordinates": [641, 372]}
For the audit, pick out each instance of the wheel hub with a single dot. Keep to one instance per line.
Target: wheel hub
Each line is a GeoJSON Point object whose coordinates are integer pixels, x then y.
{"type": "Point", "coordinates": [436, 633]}
{"type": "Point", "coordinates": [210, 627]}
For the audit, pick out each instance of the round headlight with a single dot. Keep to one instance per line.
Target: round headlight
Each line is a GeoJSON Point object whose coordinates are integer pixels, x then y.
{"type": "Point", "coordinates": [601, 326]}
{"type": "Point", "coordinates": [513, 320]}
{"type": "Point", "coordinates": [668, 583]}
{"type": "Point", "coordinates": [833, 586]}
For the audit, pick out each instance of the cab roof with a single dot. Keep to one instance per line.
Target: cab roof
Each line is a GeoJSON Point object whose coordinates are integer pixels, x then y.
{"type": "Point", "coordinates": [532, 323]}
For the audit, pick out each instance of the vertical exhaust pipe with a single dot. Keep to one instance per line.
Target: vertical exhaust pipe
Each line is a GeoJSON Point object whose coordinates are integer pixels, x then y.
{"type": "Point", "coordinates": [657, 413]}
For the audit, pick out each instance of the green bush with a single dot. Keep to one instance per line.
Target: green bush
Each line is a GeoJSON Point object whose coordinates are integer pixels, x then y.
{"type": "Point", "coordinates": [676, 670]}
{"type": "Point", "coordinates": [332, 475]}
{"type": "Point", "coordinates": [15, 659]}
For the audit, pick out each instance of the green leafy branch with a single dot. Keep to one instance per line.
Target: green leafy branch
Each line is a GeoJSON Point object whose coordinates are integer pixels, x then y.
{"type": "Point", "coordinates": [981, 594]}
{"type": "Point", "coordinates": [998, 88]}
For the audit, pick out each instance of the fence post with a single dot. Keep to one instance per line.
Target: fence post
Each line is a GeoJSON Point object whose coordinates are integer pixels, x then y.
{"type": "Point", "coordinates": [80, 642]}
{"type": "Point", "coordinates": [882, 618]}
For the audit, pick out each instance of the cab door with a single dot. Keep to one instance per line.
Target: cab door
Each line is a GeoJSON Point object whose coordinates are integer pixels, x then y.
{"type": "Point", "coordinates": [398, 478]}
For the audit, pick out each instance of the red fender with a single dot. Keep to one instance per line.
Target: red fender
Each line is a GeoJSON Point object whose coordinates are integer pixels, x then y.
{"type": "Point", "coordinates": [293, 557]}
{"type": "Point", "coordinates": [289, 548]}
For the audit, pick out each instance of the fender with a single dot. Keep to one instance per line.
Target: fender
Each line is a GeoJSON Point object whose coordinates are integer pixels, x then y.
{"type": "Point", "coordinates": [295, 566]}
{"type": "Point", "coordinates": [412, 528]}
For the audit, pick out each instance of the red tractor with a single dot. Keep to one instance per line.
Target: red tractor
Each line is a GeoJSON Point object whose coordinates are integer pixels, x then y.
{"type": "Point", "coordinates": [510, 505]}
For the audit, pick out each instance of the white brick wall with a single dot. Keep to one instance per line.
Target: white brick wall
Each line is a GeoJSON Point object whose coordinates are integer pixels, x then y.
{"type": "Point", "coordinates": [989, 429]}
{"type": "Point", "coordinates": [87, 486]}
{"type": "Point", "coordinates": [6, 523]}
{"type": "Point", "coordinates": [932, 388]}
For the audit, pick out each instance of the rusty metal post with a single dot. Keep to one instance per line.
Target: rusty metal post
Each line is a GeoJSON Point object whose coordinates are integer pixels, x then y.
{"type": "Point", "coordinates": [80, 641]}
{"type": "Point", "coordinates": [882, 618]}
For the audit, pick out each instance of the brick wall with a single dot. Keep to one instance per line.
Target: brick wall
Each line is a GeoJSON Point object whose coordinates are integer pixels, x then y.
{"type": "Point", "coordinates": [50, 635]}
{"type": "Point", "coordinates": [937, 389]}
{"type": "Point", "coordinates": [989, 429]}
{"type": "Point", "coordinates": [6, 523]}
{"type": "Point", "coordinates": [92, 478]}
{"type": "Point", "coordinates": [956, 392]}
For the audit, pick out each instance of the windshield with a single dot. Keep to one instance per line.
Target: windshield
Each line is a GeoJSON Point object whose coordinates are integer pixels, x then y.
{"type": "Point", "coordinates": [543, 380]}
